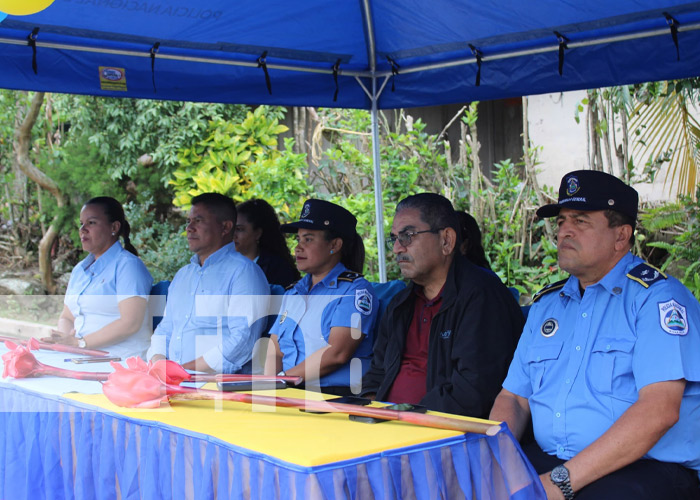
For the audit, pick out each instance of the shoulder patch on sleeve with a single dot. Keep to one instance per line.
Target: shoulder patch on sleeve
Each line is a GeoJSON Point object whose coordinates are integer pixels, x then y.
{"type": "Point", "coordinates": [349, 276]}
{"type": "Point", "coordinates": [549, 288]}
{"type": "Point", "coordinates": [646, 275]}
{"type": "Point", "coordinates": [363, 301]}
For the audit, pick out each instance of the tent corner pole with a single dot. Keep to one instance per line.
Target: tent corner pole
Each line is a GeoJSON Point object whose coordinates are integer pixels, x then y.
{"type": "Point", "coordinates": [378, 203]}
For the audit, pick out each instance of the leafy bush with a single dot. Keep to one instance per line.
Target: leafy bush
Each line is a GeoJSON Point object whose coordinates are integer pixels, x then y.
{"type": "Point", "coordinates": [519, 251]}
{"type": "Point", "coordinates": [281, 181]}
{"type": "Point", "coordinates": [161, 243]}
{"type": "Point", "coordinates": [219, 162]}
{"type": "Point", "coordinates": [680, 223]}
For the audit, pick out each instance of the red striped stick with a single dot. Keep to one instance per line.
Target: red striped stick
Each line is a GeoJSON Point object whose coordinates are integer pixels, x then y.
{"type": "Point", "coordinates": [234, 377]}
{"type": "Point", "coordinates": [176, 392]}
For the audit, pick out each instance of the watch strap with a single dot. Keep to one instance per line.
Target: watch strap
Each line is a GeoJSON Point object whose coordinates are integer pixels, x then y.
{"type": "Point", "coordinates": [565, 484]}
{"type": "Point", "coordinates": [565, 487]}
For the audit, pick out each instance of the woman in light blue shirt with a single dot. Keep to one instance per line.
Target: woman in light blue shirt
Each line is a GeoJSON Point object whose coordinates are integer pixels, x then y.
{"type": "Point", "coordinates": [107, 296]}
{"type": "Point", "coordinates": [324, 332]}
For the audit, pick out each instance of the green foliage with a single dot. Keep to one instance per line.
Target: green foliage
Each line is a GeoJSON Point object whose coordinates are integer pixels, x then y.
{"type": "Point", "coordinates": [680, 223]}
{"type": "Point", "coordinates": [219, 162]}
{"type": "Point", "coordinates": [281, 181]}
{"type": "Point", "coordinates": [161, 243]}
{"type": "Point", "coordinates": [503, 240]}
{"type": "Point", "coordinates": [121, 131]}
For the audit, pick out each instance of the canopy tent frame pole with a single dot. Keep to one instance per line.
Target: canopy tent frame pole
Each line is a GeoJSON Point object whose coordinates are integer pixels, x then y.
{"type": "Point", "coordinates": [378, 202]}
{"type": "Point", "coordinates": [405, 68]}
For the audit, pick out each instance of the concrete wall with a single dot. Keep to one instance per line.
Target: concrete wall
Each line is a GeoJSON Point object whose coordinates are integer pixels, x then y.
{"type": "Point", "coordinates": [552, 126]}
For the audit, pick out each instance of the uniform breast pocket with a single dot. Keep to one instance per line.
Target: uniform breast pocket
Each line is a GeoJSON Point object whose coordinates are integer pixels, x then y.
{"type": "Point", "coordinates": [540, 360]}
{"type": "Point", "coordinates": [611, 367]}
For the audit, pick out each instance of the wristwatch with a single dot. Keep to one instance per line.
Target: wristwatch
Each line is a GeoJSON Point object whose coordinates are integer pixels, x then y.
{"type": "Point", "coordinates": [560, 478]}
{"type": "Point", "coordinates": [81, 342]}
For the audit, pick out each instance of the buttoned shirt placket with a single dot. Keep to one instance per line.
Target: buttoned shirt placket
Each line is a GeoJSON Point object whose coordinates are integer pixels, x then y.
{"type": "Point", "coordinates": [576, 344]}
{"type": "Point", "coordinates": [177, 341]}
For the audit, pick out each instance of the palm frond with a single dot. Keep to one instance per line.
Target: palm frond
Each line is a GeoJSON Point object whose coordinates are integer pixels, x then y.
{"type": "Point", "coordinates": [668, 132]}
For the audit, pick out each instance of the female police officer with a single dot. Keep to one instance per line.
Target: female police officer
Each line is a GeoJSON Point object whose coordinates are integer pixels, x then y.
{"type": "Point", "coordinates": [325, 327]}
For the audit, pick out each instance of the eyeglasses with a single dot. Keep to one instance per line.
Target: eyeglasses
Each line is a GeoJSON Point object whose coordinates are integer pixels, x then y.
{"type": "Point", "coordinates": [405, 238]}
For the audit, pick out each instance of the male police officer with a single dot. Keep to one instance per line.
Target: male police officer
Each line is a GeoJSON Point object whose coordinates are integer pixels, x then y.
{"type": "Point", "coordinates": [446, 341]}
{"type": "Point", "coordinates": [608, 365]}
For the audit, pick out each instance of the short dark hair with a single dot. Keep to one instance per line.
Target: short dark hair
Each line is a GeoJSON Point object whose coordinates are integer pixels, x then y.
{"type": "Point", "coordinates": [617, 219]}
{"type": "Point", "coordinates": [220, 205]}
{"type": "Point", "coordinates": [434, 209]}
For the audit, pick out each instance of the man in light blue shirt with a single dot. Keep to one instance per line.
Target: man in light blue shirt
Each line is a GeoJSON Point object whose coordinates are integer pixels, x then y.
{"type": "Point", "coordinates": [216, 304]}
{"type": "Point", "coordinates": [608, 365]}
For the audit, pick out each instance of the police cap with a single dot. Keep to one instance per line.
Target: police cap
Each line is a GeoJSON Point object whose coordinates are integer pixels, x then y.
{"type": "Point", "coordinates": [593, 190]}
{"type": "Point", "coordinates": [320, 214]}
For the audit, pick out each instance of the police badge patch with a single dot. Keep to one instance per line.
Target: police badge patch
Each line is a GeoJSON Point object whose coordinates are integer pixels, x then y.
{"type": "Point", "coordinates": [673, 318]}
{"type": "Point", "coordinates": [549, 327]}
{"type": "Point", "coordinates": [572, 185]}
{"type": "Point", "coordinates": [363, 301]}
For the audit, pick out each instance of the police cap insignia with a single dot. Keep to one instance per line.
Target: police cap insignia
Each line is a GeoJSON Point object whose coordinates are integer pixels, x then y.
{"type": "Point", "coordinates": [572, 185]}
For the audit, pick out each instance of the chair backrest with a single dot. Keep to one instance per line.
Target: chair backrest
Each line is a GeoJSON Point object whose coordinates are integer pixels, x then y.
{"type": "Point", "coordinates": [516, 295]}
{"type": "Point", "coordinates": [156, 303]}
{"type": "Point", "coordinates": [384, 293]}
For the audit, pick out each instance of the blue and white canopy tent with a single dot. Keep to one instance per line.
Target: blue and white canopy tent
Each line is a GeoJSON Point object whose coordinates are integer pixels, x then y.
{"type": "Point", "coordinates": [370, 54]}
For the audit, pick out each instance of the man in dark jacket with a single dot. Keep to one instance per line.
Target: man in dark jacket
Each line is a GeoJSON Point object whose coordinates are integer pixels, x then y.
{"type": "Point", "coordinates": [447, 340]}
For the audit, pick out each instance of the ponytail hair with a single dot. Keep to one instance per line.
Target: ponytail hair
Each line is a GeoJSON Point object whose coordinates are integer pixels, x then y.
{"type": "Point", "coordinates": [352, 252]}
{"type": "Point", "coordinates": [115, 213]}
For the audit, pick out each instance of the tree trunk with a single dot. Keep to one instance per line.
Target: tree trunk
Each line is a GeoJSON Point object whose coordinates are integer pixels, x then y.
{"type": "Point", "coordinates": [530, 174]}
{"type": "Point", "coordinates": [22, 145]}
{"type": "Point", "coordinates": [625, 147]}
{"type": "Point", "coordinates": [19, 199]}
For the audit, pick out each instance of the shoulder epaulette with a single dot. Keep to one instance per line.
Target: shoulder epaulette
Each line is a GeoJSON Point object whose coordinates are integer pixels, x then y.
{"type": "Point", "coordinates": [349, 276]}
{"type": "Point", "coordinates": [646, 275]}
{"type": "Point", "coordinates": [291, 285]}
{"type": "Point", "coordinates": [549, 288]}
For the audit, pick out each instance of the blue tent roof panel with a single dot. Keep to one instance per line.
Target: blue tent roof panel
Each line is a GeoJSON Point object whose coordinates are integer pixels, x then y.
{"type": "Point", "coordinates": [218, 50]}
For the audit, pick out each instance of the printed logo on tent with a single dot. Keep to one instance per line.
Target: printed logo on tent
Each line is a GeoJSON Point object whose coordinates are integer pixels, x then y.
{"type": "Point", "coordinates": [673, 317]}
{"type": "Point", "coordinates": [22, 7]}
{"type": "Point", "coordinates": [112, 78]}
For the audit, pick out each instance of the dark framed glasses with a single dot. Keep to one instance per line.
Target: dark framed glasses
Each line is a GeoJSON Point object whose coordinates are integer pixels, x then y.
{"type": "Point", "coordinates": [406, 237]}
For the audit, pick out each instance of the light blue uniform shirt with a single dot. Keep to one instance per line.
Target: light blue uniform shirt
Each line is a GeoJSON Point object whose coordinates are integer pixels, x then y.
{"type": "Point", "coordinates": [581, 361]}
{"type": "Point", "coordinates": [213, 311]}
{"type": "Point", "coordinates": [95, 289]}
{"type": "Point", "coordinates": [306, 318]}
